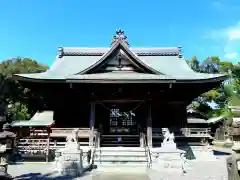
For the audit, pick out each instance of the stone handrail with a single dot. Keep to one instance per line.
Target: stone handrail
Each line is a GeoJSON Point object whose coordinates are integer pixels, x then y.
{"type": "Point", "coordinates": [147, 151]}
{"type": "Point", "coordinates": [96, 145]}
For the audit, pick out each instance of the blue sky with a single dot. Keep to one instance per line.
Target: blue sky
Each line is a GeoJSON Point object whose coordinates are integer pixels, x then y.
{"type": "Point", "coordinates": [31, 28]}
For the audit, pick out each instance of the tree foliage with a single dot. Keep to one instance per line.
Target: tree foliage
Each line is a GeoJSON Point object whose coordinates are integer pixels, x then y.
{"type": "Point", "coordinates": [224, 95]}
{"type": "Point", "coordinates": [11, 92]}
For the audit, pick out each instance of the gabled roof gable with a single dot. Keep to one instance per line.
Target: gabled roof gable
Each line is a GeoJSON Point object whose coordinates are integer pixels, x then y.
{"type": "Point", "coordinates": [121, 45]}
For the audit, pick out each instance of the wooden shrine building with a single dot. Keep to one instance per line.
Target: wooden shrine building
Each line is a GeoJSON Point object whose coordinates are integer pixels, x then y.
{"type": "Point", "coordinates": [119, 90]}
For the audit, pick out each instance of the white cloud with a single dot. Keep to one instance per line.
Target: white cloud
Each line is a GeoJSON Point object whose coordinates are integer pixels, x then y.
{"type": "Point", "coordinates": [232, 55]}
{"type": "Point", "coordinates": [217, 5]}
{"type": "Point", "coordinates": [229, 40]}
{"type": "Point", "coordinates": [234, 34]}
{"type": "Point", "coordinates": [224, 6]}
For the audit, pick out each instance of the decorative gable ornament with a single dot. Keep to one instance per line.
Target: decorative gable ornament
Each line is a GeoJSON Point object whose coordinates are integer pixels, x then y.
{"type": "Point", "coordinates": [119, 36]}
{"type": "Point", "coordinates": [119, 58]}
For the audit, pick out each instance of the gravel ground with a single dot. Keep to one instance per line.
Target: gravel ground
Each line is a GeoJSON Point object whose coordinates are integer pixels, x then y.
{"type": "Point", "coordinates": [195, 171]}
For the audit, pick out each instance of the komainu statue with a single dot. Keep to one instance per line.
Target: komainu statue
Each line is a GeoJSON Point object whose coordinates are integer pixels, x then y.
{"type": "Point", "coordinates": [73, 137]}
{"type": "Point", "coordinates": [168, 137]}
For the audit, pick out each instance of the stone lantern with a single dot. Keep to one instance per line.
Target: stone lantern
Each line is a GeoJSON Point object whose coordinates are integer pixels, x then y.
{"type": "Point", "coordinates": [7, 140]}
{"type": "Point", "coordinates": [233, 163]}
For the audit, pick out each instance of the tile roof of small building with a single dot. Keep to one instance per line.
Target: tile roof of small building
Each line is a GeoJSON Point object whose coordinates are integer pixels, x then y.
{"type": "Point", "coordinates": [44, 118]}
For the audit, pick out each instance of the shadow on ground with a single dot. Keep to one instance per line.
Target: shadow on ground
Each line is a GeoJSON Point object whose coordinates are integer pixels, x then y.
{"type": "Point", "coordinates": [49, 176]}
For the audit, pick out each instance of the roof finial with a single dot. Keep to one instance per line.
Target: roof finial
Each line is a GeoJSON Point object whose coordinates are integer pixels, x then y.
{"type": "Point", "coordinates": [60, 52]}
{"type": "Point", "coordinates": [119, 36]}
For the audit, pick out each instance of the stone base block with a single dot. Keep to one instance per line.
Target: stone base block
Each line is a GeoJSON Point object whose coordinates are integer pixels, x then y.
{"type": "Point", "coordinates": [169, 146]}
{"type": "Point", "coordinates": [70, 163]}
{"type": "Point", "coordinates": [168, 159]}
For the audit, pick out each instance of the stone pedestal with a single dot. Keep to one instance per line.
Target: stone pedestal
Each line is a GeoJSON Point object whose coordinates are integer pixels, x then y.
{"type": "Point", "coordinates": [168, 157]}
{"type": "Point", "coordinates": [170, 160]}
{"type": "Point", "coordinates": [169, 146]}
{"type": "Point", "coordinates": [70, 163]}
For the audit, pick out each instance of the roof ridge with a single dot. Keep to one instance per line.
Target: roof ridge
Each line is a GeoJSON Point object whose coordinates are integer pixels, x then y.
{"type": "Point", "coordinates": [88, 51]}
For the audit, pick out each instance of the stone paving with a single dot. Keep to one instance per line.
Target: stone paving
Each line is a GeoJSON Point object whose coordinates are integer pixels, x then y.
{"type": "Point", "coordinates": [195, 171]}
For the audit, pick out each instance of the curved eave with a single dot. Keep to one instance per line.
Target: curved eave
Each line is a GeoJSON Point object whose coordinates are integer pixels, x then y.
{"type": "Point", "coordinates": [127, 51]}
{"type": "Point", "coordinates": [38, 77]}
{"type": "Point", "coordinates": [113, 81]}
{"type": "Point", "coordinates": [217, 78]}
{"type": "Point", "coordinates": [120, 77]}
{"type": "Point", "coordinates": [31, 123]}
{"type": "Point", "coordinates": [117, 78]}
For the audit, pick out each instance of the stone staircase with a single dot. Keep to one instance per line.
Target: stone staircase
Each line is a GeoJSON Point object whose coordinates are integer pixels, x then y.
{"type": "Point", "coordinates": [116, 140]}
{"type": "Point", "coordinates": [120, 157]}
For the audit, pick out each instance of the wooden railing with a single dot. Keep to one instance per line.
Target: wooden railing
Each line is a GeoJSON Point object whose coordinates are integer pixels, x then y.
{"type": "Point", "coordinates": [32, 143]}
{"type": "Point", "coordinates": [34, 147]}
{"type": "Point", "coordinates": [196, 132]}
{"type": "Point", "coordinates": [59, 144]}
{"type": "Point", "coordinates": [182, 132]}
{"type": "Point", "coordinates": [40, 146]}
{"type": "Point", "coordinates": [64, 132]}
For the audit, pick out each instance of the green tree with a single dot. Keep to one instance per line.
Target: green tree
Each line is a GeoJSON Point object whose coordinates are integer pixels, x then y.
{"type": "Point", "coordinates": [11, 92]}
{"type": "Point", "coordinates": [218, 96]}
{"type": "Point", "coordinates": [194, 63]}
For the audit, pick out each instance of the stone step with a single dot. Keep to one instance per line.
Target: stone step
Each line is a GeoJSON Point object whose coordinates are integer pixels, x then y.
{"type": "Point", "coordinates": [119, 140]}
{"type": "Point", "coordinates": [120, 153]}
{"type": "Point", "coordinates": [117, 145]}
{"type": "Point", "coordinates": [120, 135]}
{"type": "Point", "coordinates": [121, 164]}
{"type": "Point", "coordinates": [121, 158]}
{"type": "Point", "coordinates": [122, 169]}
{"type": "Point", "coordinates": [126, 141]}
{"type": "Point", "coordinates": [122, 149]}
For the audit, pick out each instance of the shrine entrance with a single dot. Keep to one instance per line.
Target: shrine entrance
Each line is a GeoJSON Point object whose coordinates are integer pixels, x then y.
{"type": "Point", "coordinates": [122, 121]}
{"type": "Point", "coordinates": [120, 124]}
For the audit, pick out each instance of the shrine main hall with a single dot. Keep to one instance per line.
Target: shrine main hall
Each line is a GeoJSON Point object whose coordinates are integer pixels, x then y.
{"type": "Point", "coordinates": [119, 91]}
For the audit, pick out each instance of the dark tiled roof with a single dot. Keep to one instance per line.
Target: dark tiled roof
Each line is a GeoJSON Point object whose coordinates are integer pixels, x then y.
{"type": "Point", "coordinates": [165, 63]}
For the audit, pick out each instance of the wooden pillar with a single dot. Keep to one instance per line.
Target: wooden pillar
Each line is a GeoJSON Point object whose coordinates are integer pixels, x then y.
{"type": "Point", "coordinates": [92, 121]}
{"type": "Point", "coordinates": [149, 125]}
